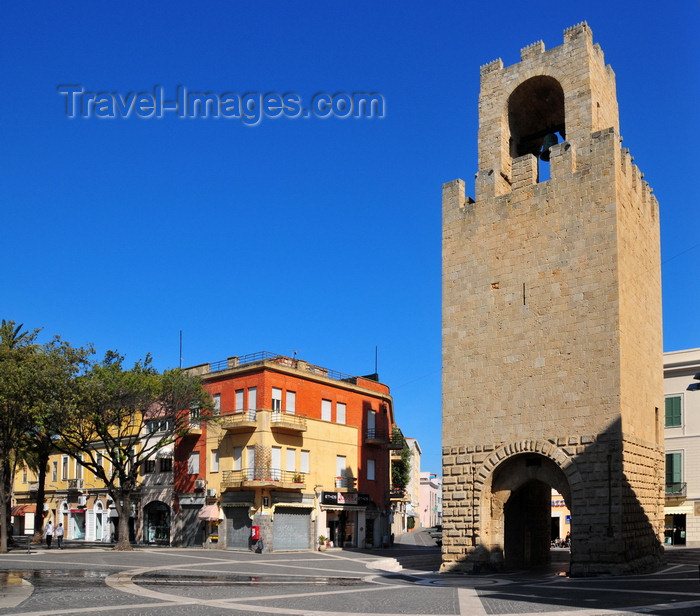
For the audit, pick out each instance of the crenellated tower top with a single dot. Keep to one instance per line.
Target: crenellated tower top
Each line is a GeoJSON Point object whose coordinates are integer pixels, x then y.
{"type": "Point", "coordinates": [568, 91]}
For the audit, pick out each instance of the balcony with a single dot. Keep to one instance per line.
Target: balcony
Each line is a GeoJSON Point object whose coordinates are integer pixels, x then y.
{"type": "Point", "coordinates": [260, 477]}
{"type": "Point", "coordinates": [287, 422]}
{"type": "Point", "coordinates": [240, 421]}
{"type": "Point", "coordinates": [195, 428]}
{"type": "Point", "coordinates": [75, 484]}
{"type": "Point", "coordinates": [374, 436]}
{"type": "Point", "coordinates": [397, 493]}
{"type": "Point", "coordinates": [397, 440]}
{"type": "Point", "coordinates": [676, 490]}
{"type": "Point", "coordinates": [345, 483]}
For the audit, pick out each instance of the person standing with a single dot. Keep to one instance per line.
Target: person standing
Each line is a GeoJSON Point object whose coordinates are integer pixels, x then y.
{"type": "Point", "coordinates": [59, 536]}
{"type": "Point", "coordinates": [48, 533]}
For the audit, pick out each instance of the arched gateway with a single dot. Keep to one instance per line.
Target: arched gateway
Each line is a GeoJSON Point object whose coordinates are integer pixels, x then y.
{"type": "Point", "coordinates": [515, 501]}
{"type": "Point", "coordinates": [552, 354]}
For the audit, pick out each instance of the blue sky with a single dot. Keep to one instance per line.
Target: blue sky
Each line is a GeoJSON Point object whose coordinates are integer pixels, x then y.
{"type": "Point", "coordinates": [320, 236]}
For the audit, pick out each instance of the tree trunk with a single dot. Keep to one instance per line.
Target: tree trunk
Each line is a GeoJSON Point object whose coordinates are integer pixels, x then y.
{"type": "Point", "coordinates": [40, 498]}
{"type": "Point", "coordinates": [123, 506]}
{"type": "Point", "coordinates": [5, 509]}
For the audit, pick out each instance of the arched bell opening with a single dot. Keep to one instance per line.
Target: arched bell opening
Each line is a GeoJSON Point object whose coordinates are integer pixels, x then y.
{"type": "Point", "coordinates": [521, 508]}
{"type": "Point", "coordinates": [536, 119]}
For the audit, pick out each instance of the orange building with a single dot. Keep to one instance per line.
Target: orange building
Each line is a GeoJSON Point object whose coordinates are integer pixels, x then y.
{"type": "Point", "coordinates": [296, 451]}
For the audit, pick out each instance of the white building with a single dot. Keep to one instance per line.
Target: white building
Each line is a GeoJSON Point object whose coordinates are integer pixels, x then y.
{"type": "Point", "coordinates": [682, 441]}
{"type": "Point", "coordinates": [430, 500]}
{"type": "Point", "coordinates": [405, 502]}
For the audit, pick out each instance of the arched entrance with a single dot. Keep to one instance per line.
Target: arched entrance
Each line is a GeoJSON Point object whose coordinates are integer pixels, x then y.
{"type": "Point", "coordinates": [519, 510]}
{"type": "Point", "coordinates": [156, 523]}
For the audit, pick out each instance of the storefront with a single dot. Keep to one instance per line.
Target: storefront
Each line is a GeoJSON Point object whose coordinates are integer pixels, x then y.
{"type": "Point", "coordinates": [97, 528]}
{"type": "Point", "coordinates": [76, 523]}
{"type": "Point", "coordinates": [114, 520]}
{"type": "Point", "coordinates": [674, 529]}
{"type": "Point", "coordinates": [156, 523]}
{"type": "Point", "coordinates": [211, 516]}
{"type": "Point", "coordinates": [343, 518]}
{"type": "Point", "coordinates": [22, 521]}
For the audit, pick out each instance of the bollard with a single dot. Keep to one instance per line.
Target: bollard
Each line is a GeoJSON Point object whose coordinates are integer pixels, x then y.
{"type": "Point", "coordinates": [29, 542]}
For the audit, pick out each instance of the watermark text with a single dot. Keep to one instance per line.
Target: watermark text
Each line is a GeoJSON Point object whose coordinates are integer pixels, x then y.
{"type": "Point", "coordinates": [250, 108]}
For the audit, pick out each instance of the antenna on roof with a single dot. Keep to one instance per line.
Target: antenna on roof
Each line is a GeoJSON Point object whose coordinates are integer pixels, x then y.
{"type": "Point", "coordinates": [376, 360]}
{"type": "Point", "coordinates": [180, 349]}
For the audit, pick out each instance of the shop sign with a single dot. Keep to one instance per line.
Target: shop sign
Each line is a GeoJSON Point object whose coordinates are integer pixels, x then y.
{"type": "Point", "coordinates": [344, 498]}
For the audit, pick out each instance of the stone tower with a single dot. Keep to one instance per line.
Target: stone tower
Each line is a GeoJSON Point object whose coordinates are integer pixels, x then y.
{"type": "Point", "coordinates": [552, 351]}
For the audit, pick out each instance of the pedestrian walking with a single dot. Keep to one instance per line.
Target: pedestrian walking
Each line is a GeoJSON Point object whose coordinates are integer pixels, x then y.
{"type": "Point", "coordinates": [59, 536]}
{"type": "Point", "coordinates": [48, 533]}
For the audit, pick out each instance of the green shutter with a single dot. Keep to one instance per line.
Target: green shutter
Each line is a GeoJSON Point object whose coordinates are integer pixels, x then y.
{"type": "Point", "coordinates": [674, 470]}
{"type": "Point", "coordinates": [673, 411]}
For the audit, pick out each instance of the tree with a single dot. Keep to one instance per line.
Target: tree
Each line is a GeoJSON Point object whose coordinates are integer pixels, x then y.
{"type": "Point", "coordinates": [63, 364]}
{"type": "Point", "coordinates": [401, 469]}
{"type": "Point", "coordinates": [35, 383]}
{"type": "Point", "coordinates": [115, 423]}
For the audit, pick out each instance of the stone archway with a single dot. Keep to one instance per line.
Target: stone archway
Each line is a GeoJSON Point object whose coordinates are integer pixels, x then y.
{"type": "Point", "coordinates": [515, 501]}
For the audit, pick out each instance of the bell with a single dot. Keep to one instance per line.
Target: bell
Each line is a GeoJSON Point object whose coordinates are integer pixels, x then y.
{"type": "Point", "coordinates": [550, 139]}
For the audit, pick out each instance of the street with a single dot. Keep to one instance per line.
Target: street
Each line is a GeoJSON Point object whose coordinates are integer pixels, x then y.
{"type": "Point", "coordinates": [174, 582]}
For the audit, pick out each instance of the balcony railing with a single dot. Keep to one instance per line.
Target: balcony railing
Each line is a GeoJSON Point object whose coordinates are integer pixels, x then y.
{"type": "Point", "coordinates": [374, 436]}
{"type": "Point", "coordinates": [75, 484]}
{"type": "Point", "coordinates": [345, 483]}
{"type": "Point", "coordinates": [397, 439]}
{"type": "Point", "coordinates": [239, 420]}
{"type": "Point", "coordinates": [262, 475]}
{"type": "Point", "coordinates": [253, 358]}
{"type": "Point", "coordinates": [675, 490]}
{"type": "Point", "coordinates": [287, 422]}
{"type": "Point", "coordinates": [397, 493]}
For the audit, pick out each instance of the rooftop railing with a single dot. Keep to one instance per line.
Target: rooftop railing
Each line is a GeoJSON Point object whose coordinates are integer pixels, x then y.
{"type": "Point", "coordinates": [292, 362]}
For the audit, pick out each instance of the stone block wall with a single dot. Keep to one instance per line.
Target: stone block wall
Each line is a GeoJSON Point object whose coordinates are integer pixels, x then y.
{"type": "Point", "coordinates": [552, 326]}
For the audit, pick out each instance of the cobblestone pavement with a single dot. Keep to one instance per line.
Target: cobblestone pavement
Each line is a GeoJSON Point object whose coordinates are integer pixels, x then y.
{"type": "Point", "coordinates": [174, 582]}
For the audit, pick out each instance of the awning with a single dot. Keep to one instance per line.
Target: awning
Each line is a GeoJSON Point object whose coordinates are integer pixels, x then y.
{"type": "Point", "coordinates": [165, 452]}
{"type": "Point", "coordinates": [210, 513]}
{"type": "Point", "coordinates": [20, 510]}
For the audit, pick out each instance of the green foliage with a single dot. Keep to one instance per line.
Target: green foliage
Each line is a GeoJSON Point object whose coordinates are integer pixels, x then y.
{"type": "Point", "coordinates": [411, 523]}
{"type": "Point", "coordinates": [401, 469]}
{"type": "Point", "coordinates": [37, 387]}
{"type": "Point", "coordinates": [116, 407]}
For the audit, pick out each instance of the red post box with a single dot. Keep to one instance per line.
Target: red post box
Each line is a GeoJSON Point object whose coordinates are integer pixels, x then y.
{"type": "Point", "coordinates": [255, 533]}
